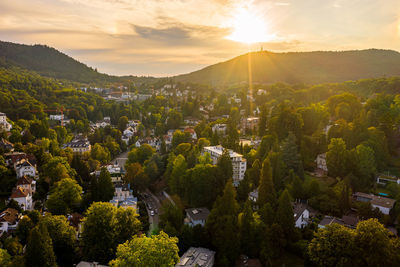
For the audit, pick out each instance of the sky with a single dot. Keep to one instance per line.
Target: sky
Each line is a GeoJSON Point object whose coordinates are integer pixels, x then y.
{"type": "Point", "coordinates": [169, 37]}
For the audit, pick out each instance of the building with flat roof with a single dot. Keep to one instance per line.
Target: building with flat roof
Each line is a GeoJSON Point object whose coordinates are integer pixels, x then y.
{"type": "Point", "coordinates": [238, 162]}
{"type": "Point", "coordinates": [384, 204]}
{"type": "Point", "coordinates": [195, 257]}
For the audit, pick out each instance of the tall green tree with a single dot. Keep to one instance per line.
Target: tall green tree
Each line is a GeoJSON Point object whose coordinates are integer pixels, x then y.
{"type": "Point", "coordinates": [105, 186]}
{"type": "Point", "coordinates": [336, 158]}
{"type": "Point", "coordinates": [222, 225]}
{"type": "Point", "coordinates": [291, 156]}
{"type": "Point", "coordinates": [284, 215]}
{"type": "Point", "coordinates": [39, 250]}
{"type": "Point", "coordinates": [266, 190]}
{"type": "Point", "coordinates": [65, 196]}
{"type": "Point", "coordinates": [224, 169]}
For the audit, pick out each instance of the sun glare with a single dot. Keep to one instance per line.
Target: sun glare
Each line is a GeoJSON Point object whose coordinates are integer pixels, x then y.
{"type": "Point", "coordinates": [249, 28]}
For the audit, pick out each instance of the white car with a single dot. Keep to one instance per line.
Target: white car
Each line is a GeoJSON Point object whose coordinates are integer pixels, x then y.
{"type": "Point", "coordinates": [152, 213]}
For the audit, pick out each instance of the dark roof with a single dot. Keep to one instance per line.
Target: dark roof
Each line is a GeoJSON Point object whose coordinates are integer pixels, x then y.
{"type": "Point", "coordinates": [24, 180]}
{"type": "Point", "coordinates": [197, 214]}
{"type": "Point", "coordinates": [298, 209]}
{"type": "Point", "coordinates": [327, 220]}
{"type": "Point", "coordinates": [350, 220]}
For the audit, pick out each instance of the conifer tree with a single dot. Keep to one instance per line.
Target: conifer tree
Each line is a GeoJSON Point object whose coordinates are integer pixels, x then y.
{"type": "Point", "coordinates": [266, 190]}
{"type": "Point", "coordinates": [291, 156]}
{"type": "Point", "coordinates": [39, 250]}
{"type": "Point", "coordinates": [222, 225]}
{"type": "Point", "coordinates": [284, 215]}
{"type": "Point", "coordinates": [224, 168]}
{"type": "Point", "coordinates": [105, 186]}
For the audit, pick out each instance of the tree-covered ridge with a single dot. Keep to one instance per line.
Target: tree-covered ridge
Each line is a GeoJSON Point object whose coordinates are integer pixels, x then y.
{"type": "Point", "coordinates": [299, 67]}
{"type": "Point", "coordinates": [52, 63]}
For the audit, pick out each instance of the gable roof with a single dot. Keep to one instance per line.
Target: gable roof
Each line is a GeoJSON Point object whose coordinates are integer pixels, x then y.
{"type": "Point", "coordinates": [198, 214]}
{"type": "Point", "coordinates": [24, 180]}
{"type": "Point", "coordinates": [19, 192]}
{"type": "Point", "coordinates": [298, 209]}
{"type": "Point", "coordinates": [9, 215]}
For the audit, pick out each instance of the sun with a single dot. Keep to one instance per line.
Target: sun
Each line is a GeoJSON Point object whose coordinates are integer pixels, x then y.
{"type": "Point", "coordinates": [249, 28]}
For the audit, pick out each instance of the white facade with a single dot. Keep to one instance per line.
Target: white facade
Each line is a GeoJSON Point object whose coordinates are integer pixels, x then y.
{"type": "Point", "coordinates": [25, 168]}
{"type": "Point", "coordinates": [220, 128]}
{"type": "Point", "coordinates": [302, 219]}
{"type": "Point", "coordinates": [4, 124]}
{"type": "Point", "coordinates": [23, 197]}
{"type": "Point", "coordinates": [57, 117]}
{"type": "Point", "coordinates": [238, 162]}
{"type": "Point", "coordinates": [321, 162]}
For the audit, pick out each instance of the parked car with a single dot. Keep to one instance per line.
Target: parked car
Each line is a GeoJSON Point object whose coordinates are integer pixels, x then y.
{"type": "Point", "coordinates": [152, 213]}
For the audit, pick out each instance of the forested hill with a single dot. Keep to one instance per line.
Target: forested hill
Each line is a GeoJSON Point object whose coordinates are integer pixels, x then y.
{"type": "Point", "coordinates": [52, 63]}
{"type": "Point", "coordinates": [299, 67]}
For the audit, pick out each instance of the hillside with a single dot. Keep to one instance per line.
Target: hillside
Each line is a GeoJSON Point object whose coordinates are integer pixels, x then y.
{"type": "Point", "coordinates": [50, 62]}
{"type": "Point", "coordinates": [299, 67]}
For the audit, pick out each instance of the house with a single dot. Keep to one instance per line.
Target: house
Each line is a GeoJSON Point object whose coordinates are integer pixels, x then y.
{"type": "Point", "coordinates": [13, 158]}
{"type": "Point", "coordinates": [5, 145]}
{"type": "Point", "coordinates": [89, 264]}
{"type": "Point", "coordinates": [384, 204]}
{"type": "Point", "coordinates": [25, 168]}
{"type": "Point", "coordinates": [220, 128]}
{"type": "Point", "coordinates": [58, 117]}
{"type": "Point", "coordinates": [8, 220]}
{"type": "Point", "coordinates": [261, 92]}
{"type": "Point", "coordinates": [192, 132]}
{"type": "Point", "coordinates": [301, 215]}
{"type": "Point", "coordinates": [23, 197]}
{"type": "Point", "coordinates": [328, 220]}
{"type": "Point", "coordinates": [349, 221]}
{"type": "Point", "coordinates": [238, 161]}
{"type": "Point", "coordinates": [321, 162]}
{"type": "Point", "coordinates": [123, 197]}
{"type": "Point", "coordinates": [253, 195]}
{"type": "Point", "coordinates": [250, 123]}
{"type": "Point", "coordinates": [191, 121]}
{"type": "Point", "coordinates": [79, 145]}
{"type": "Point", "coordinates": [27, 183]}
{"type": "Point", "coordinates": [196, 257]}
{"type": "Point", "coordinates": [196, 216]}
{"type": "Point", "coordinates": [4, 124]}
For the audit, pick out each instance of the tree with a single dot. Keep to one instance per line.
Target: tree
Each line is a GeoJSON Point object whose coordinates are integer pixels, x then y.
{"type": "Point", "coordinates": [291, 156]}
{"type": "Point", "coordinates": [177, 174]}
{"type": "Point", "coordinates": [136, 176]}
{"type": "Point", "coordinates": [171, 218]}
{"type": "Point", "coordinates": [101, 232]}
{"type": "Point", "coordinates": [266, 190]}
{"type": "Point", "coordinates": [39, 250]}
{"type": "Point", "coordinates": [122, 122]}
{"type": "Point", "coordinates": [105, 186]}
{"type": "Point", "coordinates": [157, 250]}
{"type": "Point", "coordinates": [100, 153]}
{"type": "Point", "coordinates": [336, 158]}
{"type": "Point", "coordinates": [297, 190]}
{"type": "Point", "coordinates": [179, 137]}
{"type": "Point", "coordinates": [174, 119]}
{"type": "Point", "coordinates": [247, 231]}
{"type": "Point", "coordinates": [56, 169]}
{"type": "Point", "coordinates": [5, 258]}
{"type": "Point", "coordinates": [222, 225]}
{"type": "Point", "coordinates": [63, 238]}
{"type": "Point", "coordinates": [332, 246]}
{"type": "Point", "coordinates": [24, 227]}
{"type": "Point", "coordinates": [140, 154]}
{"type": "Point", "coordinates": [65, 196]}
{"type": "Point", "coordinates": [366, 165]}
{"type": "Point", "coordinates": [284, 215]}
{"type": "Point", "coordinates": [224, 169]}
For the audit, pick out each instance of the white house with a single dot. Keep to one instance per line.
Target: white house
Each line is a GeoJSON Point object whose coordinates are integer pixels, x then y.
{"type": "Point", "coordinates": [194, 257]}
{"type": "Point", "coordinates": [192, 132]}
{"type": "Point", "coordinates": [238, 162]}
{"type": "Point", "coordinates": [4, 124]}
{"type": "Point", "coordinates": [27, 183]}
{"type": "Point", "coordinates": [196, 216]}
{"type": "Point", "coordinates": [23, 197]}
{"type": "Point", "coordinates": [57, 117]}
{"type": "Point", "coordinates": [8, 220]}
{"type": "Point", "coordinates": [79, 145]}
{"type": "Point", "coordinates": [384, 204]}
{"type": "Point", "coordinates": [25, 168]}
{"type": "Point", "coordinates": [301, 215]}
{"type": "Point", "coordinates": [321, 162]}
{"type": "Point", "coordinates": [220, 128]}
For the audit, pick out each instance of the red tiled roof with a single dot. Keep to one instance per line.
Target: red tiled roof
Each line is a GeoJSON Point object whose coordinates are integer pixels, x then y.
{"type": "Point", "coordinates": [19, 192]}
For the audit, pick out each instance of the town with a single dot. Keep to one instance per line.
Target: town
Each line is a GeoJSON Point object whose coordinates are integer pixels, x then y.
{"type": "Point", "coordinates": [187, 168]}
